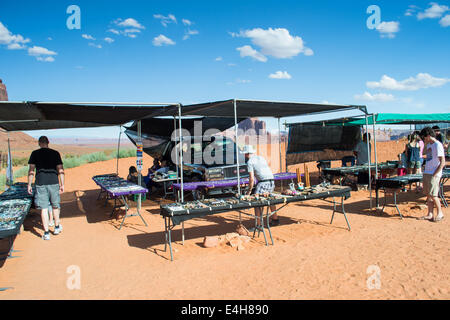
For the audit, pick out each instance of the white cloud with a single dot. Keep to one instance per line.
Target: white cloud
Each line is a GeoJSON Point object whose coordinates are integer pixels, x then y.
{"type": "Point", "coordinates": [38, 51]}
{"type": "Point", "coordinates": [327, 102]}
{"type": "Point", "coordinates": [162, 40]}
{"type": "Point", "coordinates": [98, 46]}
{"type": "Point", "coordinates": [131, 31]}
{"type": "Point", "coordinates": [377, 97]}
{"type": "Point", "coordinates": [232, 64]}
{"type": "Point", "coordinates": [433, 12]}
{"type": "Point", "coordinates": [243, 81]}
{"type": "Point", "coordinates": [87, 36]}
{"type": "Point", "coordinates": [13, 41]}
{"type": "Point", "coordinates": [412, 9]}
{"type": "Point", "coordinates": [166, 20]}
{"type": "Point", "coordinates": [114, 31]}
{"type": "Point", "coordinates": [278, 43]}
{"type": "Point", "coordinates": [388, 29]}
{"type": "Point", "coordinates": [129, 23]}
{"type": "Point", "coordinates": [42, 54]}
{"type": "Point", "coordinates": [109, 40]}
{"type": "Point", "coordinates": [130, 27]}
{"type": "Point", "coordinates": [16, 46]}
{"type": "Point", "coordinates": [218, 59]}
{"type": "Point", "coordinates": [186, 22]}
{"type": "Point", "coordinates": [280, 75]}
{"type": "Point", "coordinates": [46, 59]}
{"type": "Point", "coordinates": [49, 39]}
{"type": "Point", "coordinates": [248, 51]}
{"type": "Point", "coordinates": [308, 52]}
{"type": "Point", "coordinates": [189, 33]}
{"type": "Point", "coordinates": [445, 21]}
{"type": "Point", "coordinates": [421, 81]}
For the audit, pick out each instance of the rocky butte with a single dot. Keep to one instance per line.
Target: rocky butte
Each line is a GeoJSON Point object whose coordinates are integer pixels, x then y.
{"type": "Point", "coordinates": [3, 93]}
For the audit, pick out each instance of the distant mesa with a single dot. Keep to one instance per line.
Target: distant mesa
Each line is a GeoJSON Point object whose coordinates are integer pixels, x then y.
{"type": "Point", "coordinates": [252, 123]}
{"type": "Point", "coordinates": [3, 93]}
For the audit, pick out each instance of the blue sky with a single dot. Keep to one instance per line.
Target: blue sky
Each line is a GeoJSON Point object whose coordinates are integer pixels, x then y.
{"type": "Point", "coordinates": [198, 51]}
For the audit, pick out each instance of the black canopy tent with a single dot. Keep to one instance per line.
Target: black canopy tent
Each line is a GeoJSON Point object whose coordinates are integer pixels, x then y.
{"type": "Point", "coordinates": [238, 108]}
{"type": "Point", "coordinates": [259, 108]}
{"type": "Point", "coordinates": [35, 115]}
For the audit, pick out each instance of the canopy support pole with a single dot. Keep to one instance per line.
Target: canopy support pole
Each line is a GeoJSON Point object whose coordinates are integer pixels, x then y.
{"type": "Point", "coordinates": [118, 150]}
{"type": "Point", "coordinates": [139, 169]}
{"type": "Point", "coordinates": [375, 146]}
{"type": "Point", "coordinates": [237, 154]}
{"type": "Point", "coordinates": [368, 153]}
{"type": "Point", "coordinates": [9, 167]}
{"type": "Point", "coordinates": [176, 154]}
{"type": "Point", "coordinates": [181, 153]}
{"type": "Point", "coordinates": [279, 147]}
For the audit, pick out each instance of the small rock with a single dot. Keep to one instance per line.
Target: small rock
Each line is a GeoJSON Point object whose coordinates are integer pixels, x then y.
{"type": "Point", "coordinates": [420, 206]}
{"type": "Point", "coordinates": [231, 235]}
{"type": "Point", "coordinates": [242, 230]}
{"type": "Point", "coordinates": [211, 242]}
{"type": "Point", "coordinates": [235, 242]}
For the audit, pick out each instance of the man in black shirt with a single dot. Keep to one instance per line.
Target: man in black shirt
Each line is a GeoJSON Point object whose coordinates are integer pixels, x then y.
{"type": "Point", "coordinates": [49, 183]}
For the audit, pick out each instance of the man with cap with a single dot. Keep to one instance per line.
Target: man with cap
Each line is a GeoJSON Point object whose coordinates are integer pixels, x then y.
{"type": "Point", "coordinates": [49, 183]}
{"type": "Point", "coordinates": [258, 168]}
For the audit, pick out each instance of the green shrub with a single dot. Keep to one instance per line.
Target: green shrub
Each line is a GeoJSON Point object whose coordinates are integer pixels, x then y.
{"type": "Point", "coordinates": [70, 161]}
{"type": "Point", "coordinates": [16, 162]}
{"type": "Point", "coordinates": [127, 153]}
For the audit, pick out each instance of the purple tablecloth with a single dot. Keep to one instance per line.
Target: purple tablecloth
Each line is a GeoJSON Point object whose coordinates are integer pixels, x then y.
{"type": "Point", "coordinates": [190, 186]}
{"type": "Point", "coordinates": [114, 193]}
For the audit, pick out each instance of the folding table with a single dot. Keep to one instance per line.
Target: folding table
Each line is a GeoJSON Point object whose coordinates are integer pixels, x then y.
{"type": "Point", "coordinates": [176, 213]}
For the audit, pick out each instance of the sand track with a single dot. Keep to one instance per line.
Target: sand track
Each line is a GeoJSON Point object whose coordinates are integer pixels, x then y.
{"type": "Point", "coordinates": [311, 259]}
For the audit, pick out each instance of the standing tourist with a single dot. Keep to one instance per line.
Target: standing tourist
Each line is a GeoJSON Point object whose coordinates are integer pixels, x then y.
{"type": "Point", "coordinates": [49, 183]}
{"type": "Point", "coordinates": [432, 173]}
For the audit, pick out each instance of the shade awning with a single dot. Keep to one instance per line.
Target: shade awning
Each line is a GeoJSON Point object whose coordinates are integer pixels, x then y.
{"type": "Point", "coordinates": [398, 118]}
{"type": "Point", "coordinates": [255, 108]}
{"type": "Point", "coordinates": [385, 119]}
{"type": "Point", "coordinates": [21, 116]}
{"type": "Point", "coordinates": [196, 126]}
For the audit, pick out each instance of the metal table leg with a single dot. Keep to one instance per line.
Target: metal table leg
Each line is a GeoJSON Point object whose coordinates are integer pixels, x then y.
{"type": "Point", "coordinates": [395, 202]}
{"type": "Point", "coordinates": [182, 233]}
{"type": "Point", "coordinates": [8, 254]}
{"type": "Point", "coordinates": [129, 215]}
{"type": "Point", "coordinates": [169, 233]}
{"type": "Point", "coordinates": [343, 212]}
{"type": "Point", "coordinates": [441, 192]}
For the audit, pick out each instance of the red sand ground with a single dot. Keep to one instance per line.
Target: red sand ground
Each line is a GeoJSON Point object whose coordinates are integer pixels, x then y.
{"type": "Point", "coordinates": [311, 259]}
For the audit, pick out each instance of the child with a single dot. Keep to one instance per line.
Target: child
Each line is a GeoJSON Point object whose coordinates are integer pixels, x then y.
{"type": "Point", "coordinates": [402, 164]}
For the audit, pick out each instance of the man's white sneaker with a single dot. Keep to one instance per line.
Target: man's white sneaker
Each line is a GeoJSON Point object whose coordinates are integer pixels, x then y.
{"type": "Point", "coordinates": [46, 236]}
{"type": "Point", "coordinates": [58, 229]}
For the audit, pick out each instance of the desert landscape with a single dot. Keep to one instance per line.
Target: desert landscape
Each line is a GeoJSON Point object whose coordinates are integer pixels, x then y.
{"type": "Point", "coordinates": [311, 258]}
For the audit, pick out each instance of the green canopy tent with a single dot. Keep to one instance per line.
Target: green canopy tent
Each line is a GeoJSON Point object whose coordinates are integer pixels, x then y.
{"type": "Point", "coordinates": [387, 119]}
{"type": "Point", "coordinates": [399, 119]}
